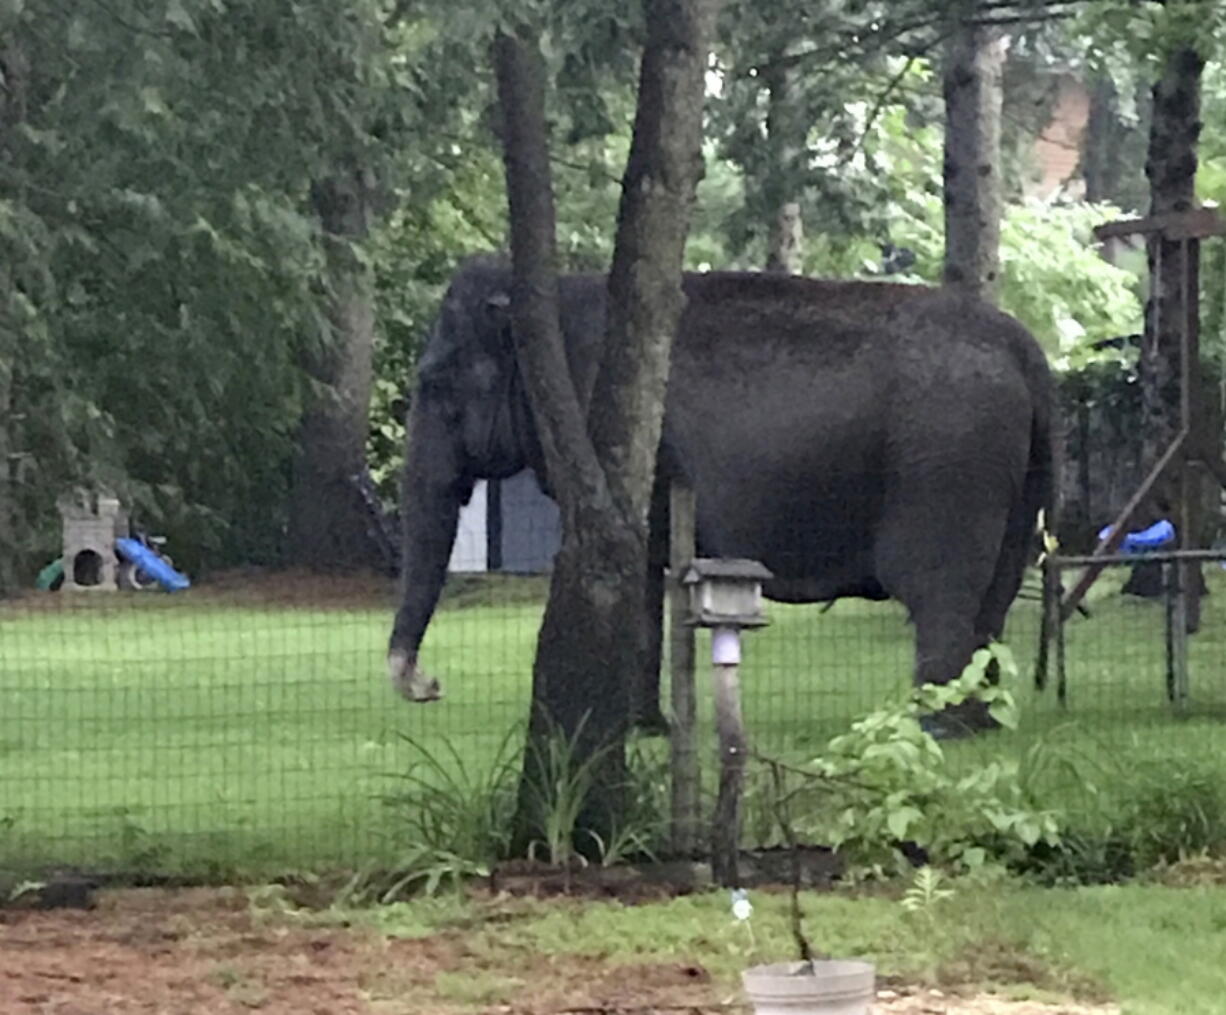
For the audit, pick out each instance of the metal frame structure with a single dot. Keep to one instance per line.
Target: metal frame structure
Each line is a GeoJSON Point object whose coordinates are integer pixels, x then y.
{"type": "Point", "coordinates": [1186, 451]}
{"type": "Point", "coordinates": [1173, 562]}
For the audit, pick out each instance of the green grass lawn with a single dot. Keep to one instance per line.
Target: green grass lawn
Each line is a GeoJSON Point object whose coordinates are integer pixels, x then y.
{"type": "Point", "coordinates": [227, 730]}
{"type": "Point", "coordinates": [1158, 951]}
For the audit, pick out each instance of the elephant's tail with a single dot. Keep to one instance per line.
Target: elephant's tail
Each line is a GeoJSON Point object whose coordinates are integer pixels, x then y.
{"type": "Point", "coordinates": [1041, 497]}
{"type": "Point", "coordinates": [1041, 490]}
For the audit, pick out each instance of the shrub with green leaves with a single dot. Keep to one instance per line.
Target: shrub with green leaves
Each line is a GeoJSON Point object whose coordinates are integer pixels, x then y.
{"type": "Point", "coordinates": [887, 782]}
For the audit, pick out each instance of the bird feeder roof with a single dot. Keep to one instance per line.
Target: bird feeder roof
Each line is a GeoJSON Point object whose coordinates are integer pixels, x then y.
{"type": "Point", "coordinates": [704, 568]}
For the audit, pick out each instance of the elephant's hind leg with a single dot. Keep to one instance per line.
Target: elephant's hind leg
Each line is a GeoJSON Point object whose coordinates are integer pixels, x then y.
{"type": "Point", "coordinates": [942, 572]}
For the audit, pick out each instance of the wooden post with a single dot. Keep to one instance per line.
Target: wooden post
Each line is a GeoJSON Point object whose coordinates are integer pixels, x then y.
{"type": "Point", "coordinates": [1061, 656]}
{"type": "Point", "coordinates": [686, 772]}
{"type": "Point", "coordinates": [1174, 574]}
{"type": "Point", "coordinates": [733, 751]}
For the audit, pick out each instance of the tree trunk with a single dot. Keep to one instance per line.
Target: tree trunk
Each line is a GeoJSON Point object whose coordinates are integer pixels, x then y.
{"type": "Point", "coordinates": [1171, 170]}
{"type": "Point", "coordinates": [787, 240]}
{"type": "Point", "coordinates": [601, 468]}
{"type": "Point", "coordinates": [785, 136]}
{"type": "Point", "coordinates": [974, 60]}
{"type": "Point", "coordinates": [9, 545]}
{"type": "Point", "coordinates": [1101, 143]}
{"type": "Point", "coordinates": [13, 74]}
{"type": "Point", "coordinates": [328, 527]}
{"type": "Point", "coordinates": [1112, 150]}
{"type": "Point", "coordinates": [1170, 310]}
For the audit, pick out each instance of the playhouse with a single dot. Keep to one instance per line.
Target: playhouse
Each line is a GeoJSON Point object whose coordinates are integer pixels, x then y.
{"type": "Point", "coordinates": [508, 525]}
{"type": "Point", "coordinates": [100, 555]}
{"type": "Point", "coordinates": [92, 522]}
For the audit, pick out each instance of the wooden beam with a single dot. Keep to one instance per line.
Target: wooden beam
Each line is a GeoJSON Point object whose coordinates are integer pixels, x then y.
{"type": "Point", "coordinates": [1118, 530]}
{"type": "Point", "coordinates": [1194, 224]}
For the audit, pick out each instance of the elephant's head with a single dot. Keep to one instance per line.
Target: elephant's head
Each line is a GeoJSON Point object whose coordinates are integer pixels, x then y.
{"type": "Point", "coordinates": [469, 379]}
{"type": "Point", "coordinates": [469, 420]}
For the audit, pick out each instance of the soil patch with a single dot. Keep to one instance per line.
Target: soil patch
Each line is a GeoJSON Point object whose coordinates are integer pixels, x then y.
{"type": "Point", "coordinates": [208, 952]}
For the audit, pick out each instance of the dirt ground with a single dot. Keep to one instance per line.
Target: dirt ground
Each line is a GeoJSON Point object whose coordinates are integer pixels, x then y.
{"type": "Point", "coordinates": [207, 952]}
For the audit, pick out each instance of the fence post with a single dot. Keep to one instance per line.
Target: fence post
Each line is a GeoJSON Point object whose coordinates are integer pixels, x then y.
{"type": "Point", "coordinates": [686, 775]}
{"type": "Point", "coordinates": [1174, 591]}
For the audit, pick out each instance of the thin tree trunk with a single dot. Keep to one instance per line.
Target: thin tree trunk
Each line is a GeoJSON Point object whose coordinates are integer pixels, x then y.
{"type": "Point", "coordinates": [9, 545]}
{"type": "Point", "coordinates": [1101, 143]}
{"type": "Point", "coordinates": [574, 692]}
{"type": "Point", "coordinates": [602, 467]}
{"type": "Point", "coordinates": [974, 61]}
{"type": "Point", "coordinates": [1171, 170]}
{"type": "Point", "coordinates": [328, 521]}
{"type": "Point", "coordinates": [1112, 150]}
{"type": "Point", "coordinates": [787, 240]}
{"type": "Point", "coordinates": [785, 137]}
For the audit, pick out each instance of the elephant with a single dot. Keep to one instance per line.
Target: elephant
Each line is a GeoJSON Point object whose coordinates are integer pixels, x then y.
{"type": "Point", "coordinates": [859, 438]}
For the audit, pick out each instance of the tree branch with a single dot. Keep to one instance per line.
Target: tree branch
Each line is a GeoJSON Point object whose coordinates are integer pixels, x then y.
{"type": "Point", "coordinates": [575, 472]}
{"type": "Point", "coordinates": [881, 100]}
{"type": "Point", "coordinates": [645, 299]}
{"type": "Point", "coordinates": [874, 40]}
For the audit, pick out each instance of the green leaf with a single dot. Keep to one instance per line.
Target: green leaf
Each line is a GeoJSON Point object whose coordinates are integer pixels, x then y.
{"type": "Point", "coordinates": [152, 101]}
{"type": "Point", "coordinates": [901, 819]}
{"type": "Point", "coordinates": [177, 15]}
{"type": "Point", "coordinates": [974, 857]}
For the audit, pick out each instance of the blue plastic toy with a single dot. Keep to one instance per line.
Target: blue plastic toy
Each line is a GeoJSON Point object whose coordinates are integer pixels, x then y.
{"type": "Point", "coordinates": [152, 565]}
{"type": "Point", "coordinates": [1155, 537]}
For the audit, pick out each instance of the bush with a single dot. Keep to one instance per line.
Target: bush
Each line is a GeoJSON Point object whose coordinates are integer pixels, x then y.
{"type": "Point", "coordinates": [884, 789]}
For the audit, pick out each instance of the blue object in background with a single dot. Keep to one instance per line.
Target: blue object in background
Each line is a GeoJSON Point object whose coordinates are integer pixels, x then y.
{"type": "Point", "coordinates": [1155, 537]}
{"type": "Point", "coordinates": [152, 565]}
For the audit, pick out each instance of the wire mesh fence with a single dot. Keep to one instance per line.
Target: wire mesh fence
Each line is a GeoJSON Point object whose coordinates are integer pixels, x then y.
{"type": "Point", "coordinates": [246, 725]}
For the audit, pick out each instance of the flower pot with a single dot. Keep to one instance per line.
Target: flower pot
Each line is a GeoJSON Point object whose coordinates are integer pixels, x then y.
{"type": "Point", "coordinates": [823, 987]}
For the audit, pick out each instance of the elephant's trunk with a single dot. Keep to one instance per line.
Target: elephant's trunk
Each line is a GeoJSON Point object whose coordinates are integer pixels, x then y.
{"type": "Point", "coordinates": [435, 485]}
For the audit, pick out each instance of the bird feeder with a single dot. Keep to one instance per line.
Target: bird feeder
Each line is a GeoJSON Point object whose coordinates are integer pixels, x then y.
{"type": "Point", "coordinates": [725, 592]}
{"type": "Point", "coordinates": [726, 595]}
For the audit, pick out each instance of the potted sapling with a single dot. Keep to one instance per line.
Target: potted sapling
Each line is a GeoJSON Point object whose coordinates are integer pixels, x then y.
{"type": "Point", "coordinates": [811, 984]}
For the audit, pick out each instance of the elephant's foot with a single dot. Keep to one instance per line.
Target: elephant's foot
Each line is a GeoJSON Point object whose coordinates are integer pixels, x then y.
{"type": "Point", "coordinates": [958, 721]}
{"type": "Point", "coordinates": [652, 723]}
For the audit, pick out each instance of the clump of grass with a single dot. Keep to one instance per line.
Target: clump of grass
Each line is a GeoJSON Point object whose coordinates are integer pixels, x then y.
{"type": "Point", "coordinates": [1174, 810]}
{"type": "Point", "coordinates": [1152, 818]}
{"type": "Point", "coordinates": [454, 818]}
{"type": "Point", "coordinates": [565, 780]}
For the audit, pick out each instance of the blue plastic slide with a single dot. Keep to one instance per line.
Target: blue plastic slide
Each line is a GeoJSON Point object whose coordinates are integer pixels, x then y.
{"type": "Point", "coordinates": [1155, 537]}
{"type": "Point", "coordinates": [152, 565]}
